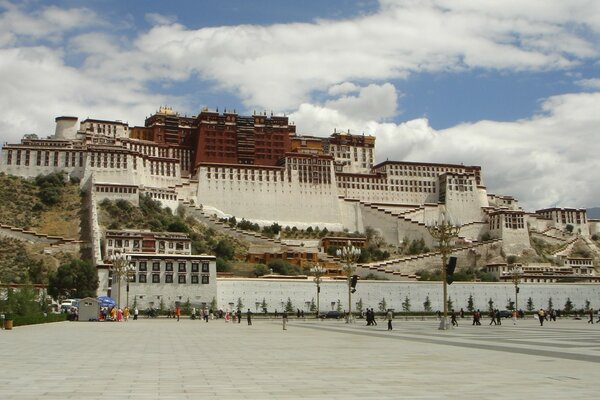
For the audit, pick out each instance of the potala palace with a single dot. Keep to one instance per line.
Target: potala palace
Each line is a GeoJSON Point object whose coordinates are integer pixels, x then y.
{"type": "Point", "coordinates": [259, 168]}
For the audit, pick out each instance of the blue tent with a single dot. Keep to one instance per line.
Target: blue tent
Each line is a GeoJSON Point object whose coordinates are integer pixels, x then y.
{"type": "Point", "coordinates": [106, 301]}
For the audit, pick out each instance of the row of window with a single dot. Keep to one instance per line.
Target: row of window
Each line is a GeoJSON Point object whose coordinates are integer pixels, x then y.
{"type": "Point", "coordinates": [181, 267]}
{"type": "Point", "coordinates": [44, 156]}
{"type": "Point", "coordinates": [195, 279]}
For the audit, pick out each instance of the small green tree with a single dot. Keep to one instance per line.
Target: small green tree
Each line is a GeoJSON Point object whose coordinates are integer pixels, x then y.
{"type": "Point", "coordinates": [75, 279]}
{"type": "Point", "coordinates": [530, 305]}
{"type": "Point", "coordinates": [491, 305]}
{"type": "Point", "coordinates": [550, 304]}
{"type": "Point", "coordinates": [289, 307]}
{"type": "Point", "coordinates": [382, 305]}
{"type": "Point", "coordinates": [161, 306]}
{"type": "Point", "coordinates": [450, 303]}
{"type": "Point", "coordinates": [406, 304]}
{"type": "Point", "coordinates": [510, 305]}
{"type": "Point", "coordinates": [427, 304]}
{"type": "Point", "coordinates": [187, 307]}
{"type": "Point", "coordinates": [339, 306]}
{"type": "Point", "coordinates": [213, 304]}
{"type": "Point", "coordinates": [313, 306]}
{"type": "Point", "coordinates": [569, 228]}
{"type": "Point", "coordinates": [240, 305]}
{"type": "Point", "coordinates": [260, 270]}
{"type": "Point", "coordinates": [263, 305]}
{"type": "Point", "coordinates": [569, 306]}
{"type": "Point", "coordinates": [470, 303]}
{"type": "Point", "coordinates": [359, 306]}
{"type": "Point", "coordinates": [587, 305]}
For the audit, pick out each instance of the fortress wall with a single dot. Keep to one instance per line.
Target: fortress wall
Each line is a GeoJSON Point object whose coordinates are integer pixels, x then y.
{"type": "Point", "coordinates": [288, 202]}
{"type": "Point", "coordinates": [474, 231]}
{"type": "Point", "coordinates": [464, 207]}
{"type": "Point", "coordinates": [351, 215]}
{"type": "Point", "coordinates": [276, 292]}
{"type": "Point", "coordinates": [515, 241]}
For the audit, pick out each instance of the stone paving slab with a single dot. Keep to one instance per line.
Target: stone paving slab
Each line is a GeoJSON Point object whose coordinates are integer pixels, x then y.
{"type": "Point", "coordinates": [162, 358]}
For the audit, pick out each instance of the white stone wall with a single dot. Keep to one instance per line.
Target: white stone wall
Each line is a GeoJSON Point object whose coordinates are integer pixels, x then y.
{"type": "Point", "coordinates": [275, 292]}
{"type": "Point", "coordinates": [289, 203]}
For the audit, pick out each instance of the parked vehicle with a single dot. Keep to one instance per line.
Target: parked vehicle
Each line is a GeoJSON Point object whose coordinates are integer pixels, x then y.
{"type": "Point", "coordinates": [505, 313]}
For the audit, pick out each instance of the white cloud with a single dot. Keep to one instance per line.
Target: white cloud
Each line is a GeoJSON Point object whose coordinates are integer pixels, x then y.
{"type": "Point", "coordinates": [373, 101]}
{"type": "Point", "coordinates": [160, 19]}
{"type": "Point", "coordinates": [545, 160]}
{"type": "Point", "coordinates": [593, 83]}
{"type": "Point", "coordinates": [343, 88]}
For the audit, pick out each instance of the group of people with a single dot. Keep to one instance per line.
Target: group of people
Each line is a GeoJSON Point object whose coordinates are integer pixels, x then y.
{"type": "Point", "coordinates": [117, 314]}
{"type": "Point", "coordinates": [370, 317]}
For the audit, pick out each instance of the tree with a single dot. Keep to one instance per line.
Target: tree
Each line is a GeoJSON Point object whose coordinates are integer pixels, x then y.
{"type": "Point", "coordinates": [406, 304]}
{"type": "Point", "coordinates": [161, 306]}
{"type": "Point", "coordinates": [313, 305]}
{"type": "Point", "coordinates": [263, 305]}
{"type": "Point", "coordinates": [20, 302]}
{"type": "Point", "coordinates": [289, 307]}
{"type": "Point", "coordinates": [187, 307]}
{"type": "Point", "coordinates": [359, 306]}
{"type": "Point", "coordinates": [510, 305]}
{"type": "Point", "coordinates": [470, 304]}
{"type": "Point", "coordinates": [427, 304]}
{"type": "Point", "coordinates": [75, 279]}
{"type": "Point", "coordinates": [382, 305]}
{"type": "Point", "coordinates": [223, 265]}
{"type": "Point", "coordinates": [213, 303]}
{"type": "Point", "coordinates": [550, 304]}
{"type": "Point", "coordinates": [450, 303]}
{"type": "Point", "coordinates": [224, 249]}
{"type": "Point", "coordinates": [491, 305]}
{"type": "Point", "coordinates": [530, 305]}
{"type": "Point", "coordinates": [569, 306]}
{"type": "Point", "coordinates": [240, 305]}
{"type": "Point", "coordinates": [260, 270]}
{"type": "Point", "coordinates": [339, 306]}
{"type": "Point", "coordinates": [587, 305]}
{"type": "Point", "coordinates": [569, 228]}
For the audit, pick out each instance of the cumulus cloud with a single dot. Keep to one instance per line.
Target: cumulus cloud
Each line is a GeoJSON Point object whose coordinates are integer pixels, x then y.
{"type": "Point", "coordinates": [160, 19]}
{"type": "Point", "coordinates": [593, 83]}
{"type": "Point", "coordinates": [545, 160]}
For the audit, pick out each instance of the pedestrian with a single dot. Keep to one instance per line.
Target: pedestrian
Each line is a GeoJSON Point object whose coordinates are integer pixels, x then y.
{"type": "Point", "coordinates": [498, 317]}
{"type": "Point", "coordinates": [227, 315]}
{"type": "Point", "coordinates": [284, 318]}
{"type": "Point", "coordinates": [389, 316]}
{"type": "Point", "coordinates": [373, 320]}
{"type": "Point", "coordinates": [368, 316]}
{"type": "Point", "coordinates": [514, 316]}
{"type": "Point", "coordinates": [178, 312]}
{"type": "Point", "coordinates": [249, 316]}
{"type": "Point", "coordinates": [541, 316]}
{"type": "Point", "coordinates": [302, 314]}
{"type": "Point", "coordinates": [591, 312]}
{"type": "Point", "coordinates": [298, 313]}
{"type": "Point", "coordinates": [239, 316]}
{"type": "Point", "coordinates": [126, 314]}
{"type": "Point", "coordinates": [119, 315]}
{"type": "Point", "coordinates": [462, 313]}
{"type": "Point", "coordinates": [493, 316]}
{"type": "Point", "coordinates": [136, 312]}
{"type": "Point", "coordinates": [453, 319]}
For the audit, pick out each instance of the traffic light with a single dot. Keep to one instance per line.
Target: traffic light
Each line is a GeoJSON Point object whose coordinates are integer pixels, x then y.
{"type": "Point", "coordinates": [353, 283]}
{"type": "Point", "coordinates": [450, 270]}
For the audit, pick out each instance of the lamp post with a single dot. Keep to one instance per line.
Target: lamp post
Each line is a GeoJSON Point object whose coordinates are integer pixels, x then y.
{"type": "Point", "coordinates": [318, 271]}
{"type": "Point", "coordinates": [349, 255]}
{"type": "Point", "coordinates": [444, 233]}
{"type": "Point", "coordinates": [121, 266]}
{"type": "Point", "coordinates": [516, 272]}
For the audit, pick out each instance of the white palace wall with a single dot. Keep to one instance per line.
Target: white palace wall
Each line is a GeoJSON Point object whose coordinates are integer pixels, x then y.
{"type": "Point", "coordinates": [264, 201]}
{"type": "Point", "coordinates": [276, 292]}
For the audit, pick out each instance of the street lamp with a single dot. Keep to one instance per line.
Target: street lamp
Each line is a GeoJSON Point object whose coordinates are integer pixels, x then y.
{"type": "Point", "coordinates": [318, 271]}
{"type": "Point", "coordinates": [121, 266]}
{"type": "Point", "coordinates": [444, 233]}
{"type": "Point", "coordinates": [516, 273]}
{"type": "Point", "coordinates": [349, 255]}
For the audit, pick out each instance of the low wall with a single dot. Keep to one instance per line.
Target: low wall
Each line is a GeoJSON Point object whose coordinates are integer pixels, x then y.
{"type": "Point", "coordinates": [276, 291]}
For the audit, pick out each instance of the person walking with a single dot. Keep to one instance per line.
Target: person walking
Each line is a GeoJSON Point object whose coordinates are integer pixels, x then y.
{"type": "Point", "coordinates": [498, 317]}
{"type": "Point", "coordinates": [136, 312]}
{"type": "Point", "coordinates": [284, 318]}
{"type": "Point", "coordinates": [389, 316]}
{"type": "Point", "coordinates": [493, 316]}
{"type": "Point", "coordinates": [373, 320]}
{"type": "Point", "coordinates": [541, 316]}
{"type": "Point", "coordinates": [178, 312]}
{"type": "Point", "coordinates": [126, 314]}
{"type": "Point", "coordinates": [239, 316]}
{"type": "Point", "coordinates": [591, 320]}
{"type": "Point", "coordinates": [453, 318]}
{"type": "Point", "coordinates": [249, 317]}
{"type": "Point", "coordinates": [514, 316]}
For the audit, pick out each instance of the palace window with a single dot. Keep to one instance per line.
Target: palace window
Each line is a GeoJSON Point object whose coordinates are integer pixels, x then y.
{"type": "Point", "coordinates": [142, 278]}
{"type": "Point", "coordinates": [181, 267]}
{"type": "Point", "coordinates": [204, 267]}
{"type": "Point", "coordinates": [169, 278]}
{"type": "Point", "coordinates": [194, 279]}
{"type": "Point", "coordinates": [155, 278]}
{"type": "Point", "coordinates": [181, 279]}
{"type": "Point", "coordinates": [143, 266]}
{"type": "Point", "coordinates": [156, 266]}
{"type": "Point", "coordinates": [195, 267]}
{"type": "Point", "coordinates": [204, 279]}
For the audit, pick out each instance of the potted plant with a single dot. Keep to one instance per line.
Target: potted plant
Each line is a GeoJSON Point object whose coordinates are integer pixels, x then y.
{"type": "Point", "coordinates": [8, 321]}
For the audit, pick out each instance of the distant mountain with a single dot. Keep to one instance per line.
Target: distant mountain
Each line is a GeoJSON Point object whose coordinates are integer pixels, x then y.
{"type": "Point", "coordinates": [593, 213]}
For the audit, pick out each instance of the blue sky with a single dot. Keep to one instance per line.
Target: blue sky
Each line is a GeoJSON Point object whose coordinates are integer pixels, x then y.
{"type": "Point", "coordinates": [514, 89]}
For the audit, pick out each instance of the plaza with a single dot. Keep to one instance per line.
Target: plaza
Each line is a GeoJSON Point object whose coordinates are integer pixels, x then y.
{"type": "Point", "coordinates": [191, 359]}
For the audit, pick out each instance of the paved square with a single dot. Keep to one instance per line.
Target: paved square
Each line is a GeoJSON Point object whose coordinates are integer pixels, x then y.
{"type": "Point", "coordinates": [152, 359]}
